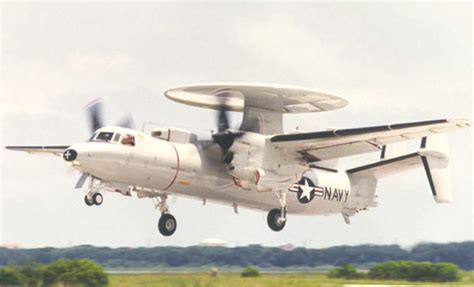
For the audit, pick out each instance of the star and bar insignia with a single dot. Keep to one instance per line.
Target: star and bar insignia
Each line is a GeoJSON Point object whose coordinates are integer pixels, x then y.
{"type": "Point", "coordinates": [306, 190]}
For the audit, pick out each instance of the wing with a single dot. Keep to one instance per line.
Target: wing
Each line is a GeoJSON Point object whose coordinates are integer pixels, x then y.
{"type": "Point", "coordinates": [324, 145]}
{"type": "Point", "coordinates": [55, 150]}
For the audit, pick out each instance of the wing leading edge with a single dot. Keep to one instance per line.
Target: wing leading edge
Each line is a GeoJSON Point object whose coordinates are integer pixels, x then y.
{"type": "Point", "coordinates": [56, 150]}
{"type": "Point", "coordinates": [324, 145]}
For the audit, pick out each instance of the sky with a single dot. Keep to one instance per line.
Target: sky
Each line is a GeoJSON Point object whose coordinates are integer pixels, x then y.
{"type": "Point", "coordinates": [393, 62]}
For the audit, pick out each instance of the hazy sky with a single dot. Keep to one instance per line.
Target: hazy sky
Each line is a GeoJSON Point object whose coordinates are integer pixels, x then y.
{"type": "Point", "coordinates": [393, 62]}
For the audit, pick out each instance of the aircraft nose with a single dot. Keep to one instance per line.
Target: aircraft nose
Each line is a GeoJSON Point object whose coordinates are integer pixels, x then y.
{"type": "Point", "coordinates": [70, 154]}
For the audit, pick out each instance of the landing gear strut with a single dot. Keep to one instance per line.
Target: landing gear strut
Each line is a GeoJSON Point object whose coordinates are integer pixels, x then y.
{"type": "Point", "coordinates": [276, 218]}
{"type": "Point", "coordinates": [167, 223]}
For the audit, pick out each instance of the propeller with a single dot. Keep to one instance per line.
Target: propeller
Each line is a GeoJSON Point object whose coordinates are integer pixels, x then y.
{"type": "Point", "coordinates": [127, 122]}
{"type": "Point", "coordinates": [225, 137]}
{"type": "Point", "coordinates": [95, 116]}
{"type": "Point", "coordinates": [222, 118]}
{"type": "Point", "coordinates": [94, 110]}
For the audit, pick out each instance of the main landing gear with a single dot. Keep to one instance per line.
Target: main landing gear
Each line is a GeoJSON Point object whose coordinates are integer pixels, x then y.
{"type": "Point", "coordinates": [167, 223]}
{"type": "Point", "coordinates": [276, 218]}
{"type": "Point", "coordinates": [95, 199]}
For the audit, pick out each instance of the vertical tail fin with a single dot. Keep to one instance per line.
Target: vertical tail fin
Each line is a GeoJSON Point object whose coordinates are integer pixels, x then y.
{"type": "Point", "coordinates": [433, 156]}
{"type": "Point", "coordinates": [437, 171]}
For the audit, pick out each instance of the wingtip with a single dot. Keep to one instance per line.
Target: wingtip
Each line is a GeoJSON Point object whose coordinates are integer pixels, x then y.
{"type": "Point", "coordinates": [461, 122]}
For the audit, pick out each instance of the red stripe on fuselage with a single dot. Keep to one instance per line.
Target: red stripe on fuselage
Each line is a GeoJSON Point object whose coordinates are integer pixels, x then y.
{"type": "Point", "coordinates": [177, 168]}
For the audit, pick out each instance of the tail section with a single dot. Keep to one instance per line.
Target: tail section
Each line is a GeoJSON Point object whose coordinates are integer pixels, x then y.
{"type": "Point", "coordinates": [437, 171]}
{"type": "Point", "coordinates": [433, 156]}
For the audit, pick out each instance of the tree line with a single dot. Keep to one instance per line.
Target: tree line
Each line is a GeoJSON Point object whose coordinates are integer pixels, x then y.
{"type": "Point", "coordinates": [78, 272]}
{"type": "Point", "coordinates": [461, 254]}
{"type": "Point", "coordinates": [402, 270]}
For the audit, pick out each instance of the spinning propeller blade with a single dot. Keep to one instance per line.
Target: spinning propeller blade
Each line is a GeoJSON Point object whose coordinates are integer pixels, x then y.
{"type": "Point", "coordinates": [94, 110]}
{"type": "Point", "coordinates": [225, 137]}
{"type": "Point", "coordinates": [95, 114]}
{"type": "Point", "coordinates": [127, 122]}
{"type": "Point", "coordinates": [222, 119]}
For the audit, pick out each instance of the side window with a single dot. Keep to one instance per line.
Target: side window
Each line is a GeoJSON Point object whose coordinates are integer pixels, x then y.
{"type": "Point", "coordinates": [128, 140]}
{"type": "Point", "coordinates": [116, 137]}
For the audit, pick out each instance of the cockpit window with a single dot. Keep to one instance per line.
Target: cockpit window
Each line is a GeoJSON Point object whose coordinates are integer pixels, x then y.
{"type": "Point", "coordinates": [104, 136]}
{"type": "Point", "coordinates": [93, 136]}
{"type": "Point", "coordinates": [128, 140]}
{"type": "Point", "coordinates": [116, 137]}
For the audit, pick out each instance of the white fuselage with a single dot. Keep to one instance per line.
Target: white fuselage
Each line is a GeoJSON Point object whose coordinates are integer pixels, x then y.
{"type": "Point", "coordinates": [191, 169]}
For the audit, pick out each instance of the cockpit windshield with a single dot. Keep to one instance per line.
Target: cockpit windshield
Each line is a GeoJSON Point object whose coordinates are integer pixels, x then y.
{"type": "Point", "coordinates": [125, 139]}
{"type": "Point", "coordinates": [104, 137]}
{"type": "Point", "coordinates": [93, 136]}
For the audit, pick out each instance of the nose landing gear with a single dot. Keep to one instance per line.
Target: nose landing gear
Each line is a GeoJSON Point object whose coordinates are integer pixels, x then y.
{"type": "Point", "coordinates": [88, 201]}
{"type": "Point", "coordinates": [93, 196]}
{"type": "Point", "coordinates": [95, 199]}
{"type": "Point", "coordinates": [167, 223]}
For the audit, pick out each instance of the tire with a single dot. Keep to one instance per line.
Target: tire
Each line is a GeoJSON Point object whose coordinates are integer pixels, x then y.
{"type": "Point", "coordinates": [273, 220]}
{"type": "Point", "coordinates": [167, 224]}
{"type": "Point", "coordinates": [97, 199]}
{"type": "Point", "coordinates": [88, 201]}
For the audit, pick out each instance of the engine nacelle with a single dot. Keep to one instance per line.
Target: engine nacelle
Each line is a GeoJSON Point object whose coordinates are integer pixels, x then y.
{"type": "Point", "coordinates": [258, 179]}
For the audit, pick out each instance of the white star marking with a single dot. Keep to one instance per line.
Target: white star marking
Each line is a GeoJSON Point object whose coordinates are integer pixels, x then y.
{"type": "Point", "coordinates": [67, 154]}
{"type": "Point", "coordinates": [306, 190]}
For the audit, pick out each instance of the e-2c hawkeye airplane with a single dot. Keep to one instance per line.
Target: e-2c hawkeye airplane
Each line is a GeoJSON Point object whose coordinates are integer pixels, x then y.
{"type": "Point", "coordinates": [256, 166]}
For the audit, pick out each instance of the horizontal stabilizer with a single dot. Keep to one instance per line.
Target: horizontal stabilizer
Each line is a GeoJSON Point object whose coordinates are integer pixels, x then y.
{"type": "Point", "coordinates": [396, 165]}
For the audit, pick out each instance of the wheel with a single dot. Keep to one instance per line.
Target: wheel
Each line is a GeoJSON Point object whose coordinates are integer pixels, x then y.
{"type": "Point", "coordinates": [88, 201]}
{"type": "Point", "coordinates": [167, 224]}
{"type": "Point", "coordinates": [274, 220]}
{"type": "Point", "coordinates": [97, 198]}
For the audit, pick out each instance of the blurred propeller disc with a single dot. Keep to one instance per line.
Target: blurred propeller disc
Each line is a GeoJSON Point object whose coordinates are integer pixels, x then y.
{"type": "Point", "coordinates": [225, 137]}
{"type": "Point", "coordinates": [127, 122]}
{"type": "Point", "coordinates": [95, 115]}
{"type": "Point", "coordinates": [94, 110]}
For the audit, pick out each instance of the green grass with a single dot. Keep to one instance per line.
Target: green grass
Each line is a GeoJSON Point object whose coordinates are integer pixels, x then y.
{"type": "Point", "coordinates": [265, 280]}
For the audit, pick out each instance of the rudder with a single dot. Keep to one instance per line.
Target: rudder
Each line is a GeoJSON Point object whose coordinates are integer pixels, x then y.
{"type": "Point", "coordinates": [437, 172]}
